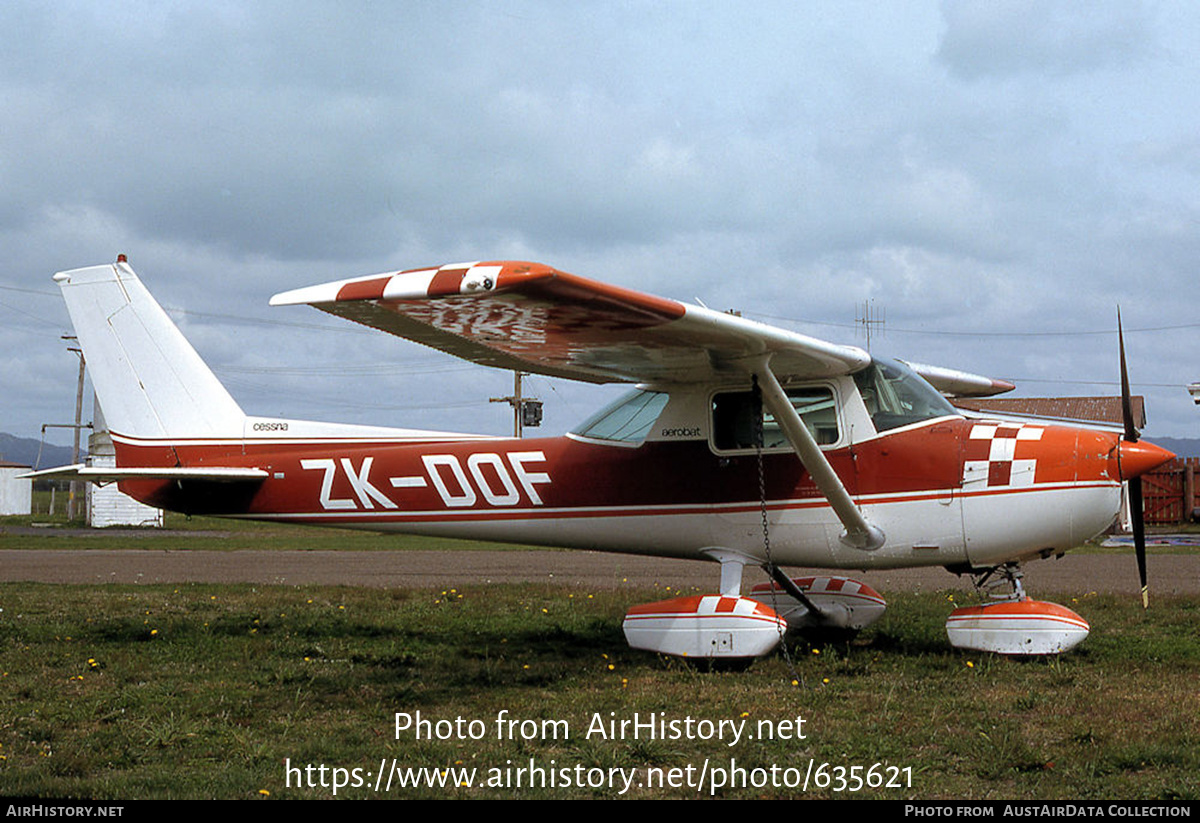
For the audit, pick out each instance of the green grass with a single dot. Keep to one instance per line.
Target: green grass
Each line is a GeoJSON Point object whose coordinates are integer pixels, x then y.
{"type": "Point", "coordinates": [206, 691]}
{"type": "Point", "coordinates": [219, 534]}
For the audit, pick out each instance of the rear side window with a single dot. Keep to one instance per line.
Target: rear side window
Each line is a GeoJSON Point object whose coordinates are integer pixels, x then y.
{"type": "Point", "coordinates": [735, 413]}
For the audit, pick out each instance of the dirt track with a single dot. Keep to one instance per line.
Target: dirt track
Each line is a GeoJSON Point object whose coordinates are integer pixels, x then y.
{"type": "Point", "coordinates": [1073, 574]}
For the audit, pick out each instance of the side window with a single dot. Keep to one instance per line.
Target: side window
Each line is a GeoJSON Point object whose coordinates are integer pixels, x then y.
{"type": "Point", "coordinates": [735, 413]}
{"type": "Point", "coordinates": [628, 420]}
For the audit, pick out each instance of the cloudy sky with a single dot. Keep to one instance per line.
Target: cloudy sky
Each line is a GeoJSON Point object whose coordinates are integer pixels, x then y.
{"type": "Point", "coordinates": [995, 177]}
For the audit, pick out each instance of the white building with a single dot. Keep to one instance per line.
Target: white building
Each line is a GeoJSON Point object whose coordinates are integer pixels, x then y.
{"type": "Point", "coordinates": [16, 494]}
{"type": "Point", "coordinates": [107, 505]}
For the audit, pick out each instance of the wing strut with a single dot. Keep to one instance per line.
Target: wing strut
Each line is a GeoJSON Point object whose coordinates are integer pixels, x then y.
{"type": "Point", "coordinates": [859, 533]}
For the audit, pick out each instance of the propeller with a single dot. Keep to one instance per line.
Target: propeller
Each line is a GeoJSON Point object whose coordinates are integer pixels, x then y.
{"type": "Point", "coordinates": [1135, 483]}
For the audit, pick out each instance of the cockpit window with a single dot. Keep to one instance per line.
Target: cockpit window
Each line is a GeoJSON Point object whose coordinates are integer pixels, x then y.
{"type": "Point", "coordinates": [896, 396]}
{"type": "Point", "coordinates": [735, 413]}
{"type": "Point", "coordinates": [628, 420]}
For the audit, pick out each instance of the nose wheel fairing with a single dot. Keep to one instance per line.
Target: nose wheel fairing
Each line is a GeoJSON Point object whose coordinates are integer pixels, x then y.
{"type": "Point", "coordinates": [1014, 624]}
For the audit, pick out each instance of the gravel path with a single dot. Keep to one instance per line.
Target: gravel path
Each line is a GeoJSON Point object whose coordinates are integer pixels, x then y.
{"type": "Point", "coordinates": [1073, 574]}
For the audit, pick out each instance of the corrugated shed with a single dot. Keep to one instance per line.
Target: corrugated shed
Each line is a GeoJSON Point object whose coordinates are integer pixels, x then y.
{"type": "Point", "coordinates": [16, 494]}
{"type": "Point", "coordinates": [108, 505]}
{"type": "Point", "coordinates": [1099, 409]}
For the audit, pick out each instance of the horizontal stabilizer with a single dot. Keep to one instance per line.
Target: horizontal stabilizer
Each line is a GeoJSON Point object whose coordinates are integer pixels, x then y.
{"type": "Point", "coordinates": [96, 474]}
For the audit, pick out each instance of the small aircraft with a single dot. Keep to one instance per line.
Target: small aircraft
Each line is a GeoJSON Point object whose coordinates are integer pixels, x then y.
{"type": "Point", "coordinates": [742, 443]}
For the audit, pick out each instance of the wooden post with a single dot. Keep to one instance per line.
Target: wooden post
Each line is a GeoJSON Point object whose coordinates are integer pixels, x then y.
{"type": "Point", "coordinates": [75, 484]}
{"type": "Point", "coordinates": [1189, 489]}
{"type": "Point", "coordinates": [518, 425]}
{"type": "Point", "coordinates": [514, 400]}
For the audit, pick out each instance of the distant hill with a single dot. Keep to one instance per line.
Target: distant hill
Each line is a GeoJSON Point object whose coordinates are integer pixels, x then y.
{"type": "Point", "coordinates": [1183, 447]}
{"type": "Point", "coordinates": [25, 450]}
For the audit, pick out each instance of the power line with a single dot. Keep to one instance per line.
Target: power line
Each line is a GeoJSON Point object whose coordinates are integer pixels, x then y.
{"type": "Point", "coordinates": [353, 328]}
{"type": "Point", "coordinates": [949, 333]}
{"type": "Point", "coordinates": [349, 369]}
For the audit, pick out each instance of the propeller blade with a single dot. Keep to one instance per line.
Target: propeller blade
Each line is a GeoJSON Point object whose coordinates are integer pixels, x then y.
{"type": "Point", "coordinates": [1139, 535]}
{"type": "Point", "coordinates": [1131, 433]}
{"type": "Point", "coordinates": [1135, 483]}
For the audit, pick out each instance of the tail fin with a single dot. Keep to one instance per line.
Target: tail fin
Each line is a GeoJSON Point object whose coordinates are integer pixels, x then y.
{"type": "Point", "coordinates": [149, 380]}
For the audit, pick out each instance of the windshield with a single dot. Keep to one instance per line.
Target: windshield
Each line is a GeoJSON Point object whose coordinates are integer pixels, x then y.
{"type": "Point", "coordinates": [896, 396]}
{"type": "Point", "coordinates": [628, 420]}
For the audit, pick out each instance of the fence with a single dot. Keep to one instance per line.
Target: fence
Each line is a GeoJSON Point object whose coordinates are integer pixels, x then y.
{"type": "Point", "coordinates": [1169, 492]}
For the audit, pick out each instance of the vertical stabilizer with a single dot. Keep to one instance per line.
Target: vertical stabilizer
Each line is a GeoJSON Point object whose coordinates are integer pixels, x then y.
{"type": "Point", "coordinates": [148, 379]}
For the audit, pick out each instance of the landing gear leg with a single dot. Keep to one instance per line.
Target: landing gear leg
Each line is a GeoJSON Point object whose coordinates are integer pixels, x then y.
{"type": "Point", "coordinates": [991, 581]}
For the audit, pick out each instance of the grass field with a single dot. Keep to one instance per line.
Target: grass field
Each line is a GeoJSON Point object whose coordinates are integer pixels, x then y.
{"type": "Point", "coordinates": [212, 691]}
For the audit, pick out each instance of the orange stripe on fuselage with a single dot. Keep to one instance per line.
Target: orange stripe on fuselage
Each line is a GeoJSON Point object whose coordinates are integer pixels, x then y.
{"type": "Point", "coordinates": [590, 480]}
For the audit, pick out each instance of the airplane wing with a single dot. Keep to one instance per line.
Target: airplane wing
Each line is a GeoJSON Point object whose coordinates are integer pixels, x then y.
{"type": "Point", "coordinates": [954, 383]}
{"type": "Point", "coordinates": [532, 318]}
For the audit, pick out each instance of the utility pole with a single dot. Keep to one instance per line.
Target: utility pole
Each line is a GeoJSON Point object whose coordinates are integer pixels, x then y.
{"type": "Point", "coordinates": [526, 411]}
{"type": "Point", "coordinates": [75, 486]}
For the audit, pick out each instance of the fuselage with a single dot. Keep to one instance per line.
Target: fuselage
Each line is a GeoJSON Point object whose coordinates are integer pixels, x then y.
{"type": "Point", "coordinates": [674, 470]}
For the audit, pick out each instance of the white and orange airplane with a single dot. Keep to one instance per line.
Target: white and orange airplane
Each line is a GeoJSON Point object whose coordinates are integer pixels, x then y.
{"type": "Point", "coordinates": [742, 443]}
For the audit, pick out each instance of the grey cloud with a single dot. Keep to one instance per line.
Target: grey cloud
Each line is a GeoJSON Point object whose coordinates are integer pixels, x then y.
{"type": "Point", "coordinates": [1042, 37]}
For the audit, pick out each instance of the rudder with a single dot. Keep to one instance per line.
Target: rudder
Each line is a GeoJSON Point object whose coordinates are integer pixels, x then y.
{"type": "Point", "coordinates": [149, 381]}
